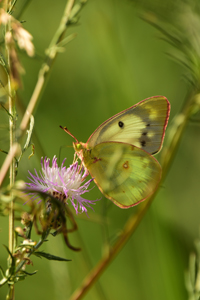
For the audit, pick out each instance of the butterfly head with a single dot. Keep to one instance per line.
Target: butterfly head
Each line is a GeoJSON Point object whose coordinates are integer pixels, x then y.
{"type": "Point", "coordinates": [80, 150]}
{"type": "Point", "coordinates": [78, 146]}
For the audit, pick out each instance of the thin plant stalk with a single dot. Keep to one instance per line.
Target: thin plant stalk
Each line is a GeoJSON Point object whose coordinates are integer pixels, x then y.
{"type": "Point", "coordinates": [46, 67]}
{"type": "Point", "coordinates": [11, 104]}
{"type": "Point", "coordinates": [12, 166]}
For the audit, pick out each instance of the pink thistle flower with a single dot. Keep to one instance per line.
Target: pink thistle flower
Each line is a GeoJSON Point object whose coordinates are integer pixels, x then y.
{"type": "Point", "coordinates": [65, 184]}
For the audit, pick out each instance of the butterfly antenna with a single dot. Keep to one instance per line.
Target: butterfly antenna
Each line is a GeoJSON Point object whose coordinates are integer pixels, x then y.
{"type": "Point", "coordinates": [67, 131]}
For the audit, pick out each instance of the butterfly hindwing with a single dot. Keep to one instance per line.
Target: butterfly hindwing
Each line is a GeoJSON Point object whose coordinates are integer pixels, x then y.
{"type": "Point", "coordinates": [124, 173]}
{"type": "Point", "coordinates": [142, 125]}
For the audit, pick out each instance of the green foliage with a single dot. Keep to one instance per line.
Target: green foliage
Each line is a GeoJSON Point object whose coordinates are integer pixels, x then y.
{"type": "Point", "coordinates": [181, 31]}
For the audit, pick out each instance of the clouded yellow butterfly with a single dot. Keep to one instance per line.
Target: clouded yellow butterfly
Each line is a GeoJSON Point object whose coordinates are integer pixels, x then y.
{"type": "Point", "coordinates": [118, 155]}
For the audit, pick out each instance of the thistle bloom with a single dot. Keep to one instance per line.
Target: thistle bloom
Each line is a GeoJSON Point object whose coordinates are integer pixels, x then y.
{"type": "Point", "coordinates": [65, 184]}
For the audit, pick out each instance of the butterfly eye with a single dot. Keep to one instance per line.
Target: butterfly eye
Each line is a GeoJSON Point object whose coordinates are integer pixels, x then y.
{"type": "Point", "coordinates": [121, 124]}
{"type": "Point", "coordinates": [78, 146]}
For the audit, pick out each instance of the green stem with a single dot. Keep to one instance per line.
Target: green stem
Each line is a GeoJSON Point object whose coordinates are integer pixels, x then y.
{"type": "Point", "coordinates": [12, 168]}
{"type": "Point", "coordinates": [44, 72]}
{"type": "Point", "coordinates": [11, 104]}
{"type": "Point", "coordinates": [12, 124]}
{"type": "Point", "coordinates": [176, 130]}
{"type": "Point", "coordinates": [132, 223]}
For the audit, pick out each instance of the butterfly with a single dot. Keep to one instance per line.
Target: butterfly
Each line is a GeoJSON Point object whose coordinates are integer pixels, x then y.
{"type": "Point", "coordinates": [119, 154]}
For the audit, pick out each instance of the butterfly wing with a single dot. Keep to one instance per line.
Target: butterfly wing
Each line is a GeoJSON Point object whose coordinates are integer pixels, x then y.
{"type": "Point", "coordinates": [124, 173]}
{"type": "Point", "coordinates": [142, 125]}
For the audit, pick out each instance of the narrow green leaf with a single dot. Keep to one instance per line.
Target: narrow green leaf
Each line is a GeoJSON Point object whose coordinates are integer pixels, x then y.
{"type": "Point", "coordinates": [28, 230]}
{"type": "Point", "coordinates": [12, 267]}
{"type": "Point", "coordinates": [27, 273]}
{"type": "Point", "coordinates": [2, 272]}
{"type": "Point", "coordinates": [49, 256]}
{"type": "Point", "coordinates": [28, 140]}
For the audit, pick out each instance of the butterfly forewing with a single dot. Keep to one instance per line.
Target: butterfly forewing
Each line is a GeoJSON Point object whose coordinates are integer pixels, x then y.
{"type": "Point", "coordinates": [124, 173]}
{"type": "Point", "coordinates": [142, 125]}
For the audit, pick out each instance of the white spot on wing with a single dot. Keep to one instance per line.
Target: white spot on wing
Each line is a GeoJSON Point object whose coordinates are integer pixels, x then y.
{"type": "Point", "coordinates": [151, 134]}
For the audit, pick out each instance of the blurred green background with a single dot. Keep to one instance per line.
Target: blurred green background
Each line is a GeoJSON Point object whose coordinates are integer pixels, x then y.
{"type": "Point", "coordinates": [115, 61]}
